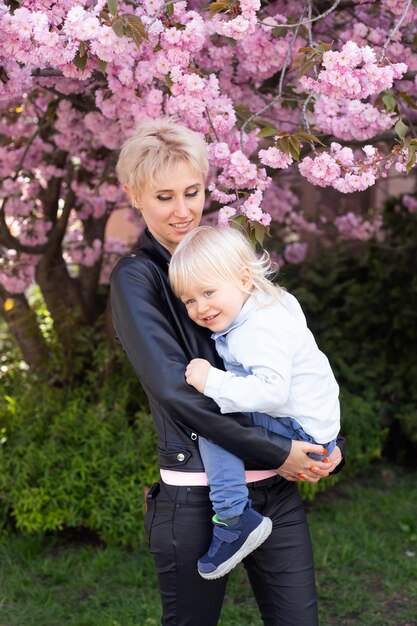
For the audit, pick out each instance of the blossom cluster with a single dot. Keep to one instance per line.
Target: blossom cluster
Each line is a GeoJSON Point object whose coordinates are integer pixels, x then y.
{"type": "Point", "coordinates": [17, 271]}
{"type": "Point", "coordinates": [340, 169]}
{"type": "Point", "coordinates": [72, 89]}
{"type": "Point", "coordinates": [240, 26]}
{"type": "Point", "coordinates": [350, 119]}
{"type": "Point", "coordinates": [353, 72]}
{"type": "Point", "coordinates": [354, 226]}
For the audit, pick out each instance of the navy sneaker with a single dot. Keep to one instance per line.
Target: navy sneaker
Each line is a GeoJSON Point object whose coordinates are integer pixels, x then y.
{"type": "Point", "coordinates": [231, 544]}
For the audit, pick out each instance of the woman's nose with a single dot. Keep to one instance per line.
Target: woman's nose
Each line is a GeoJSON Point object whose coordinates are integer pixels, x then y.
{"type": "Point", "coordinates": [181, 209]}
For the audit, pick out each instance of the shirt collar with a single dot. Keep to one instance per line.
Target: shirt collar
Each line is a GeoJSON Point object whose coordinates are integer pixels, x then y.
{"type": "Point", "coordinates": [257, 299]}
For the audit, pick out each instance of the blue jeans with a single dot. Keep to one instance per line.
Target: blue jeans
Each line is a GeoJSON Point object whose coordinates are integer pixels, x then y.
{"type": "Point", "coordinates": [226, 472]}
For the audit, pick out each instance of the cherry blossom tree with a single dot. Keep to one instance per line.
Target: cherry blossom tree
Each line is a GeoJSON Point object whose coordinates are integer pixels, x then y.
{"type": "Point", "coordinates": [281, 89]}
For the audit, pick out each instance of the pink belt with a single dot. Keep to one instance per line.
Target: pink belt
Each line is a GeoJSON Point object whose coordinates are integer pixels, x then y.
{"type": "Point", "coordinates": [195, 479]}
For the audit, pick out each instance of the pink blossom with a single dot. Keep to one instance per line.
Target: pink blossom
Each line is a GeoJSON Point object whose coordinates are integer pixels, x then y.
{"type": "Point", "coordinates": [322, 171]}
{"type": "Point", "coordinates": [350, 119]}
{"type": "Point", "coordinates": [352, 73]}
{"type": "Point", "coordinates": [410, 203]}
{"type": "Point", "coordinates": [275, 158]}
{"type": "Point", "coordinates": [224, 215]}
{"type": "Point", "coordinates": [295, 253]}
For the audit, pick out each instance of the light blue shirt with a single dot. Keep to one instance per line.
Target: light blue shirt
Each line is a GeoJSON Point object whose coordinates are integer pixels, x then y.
{"type": "Point", "coordinates": [274, 366]}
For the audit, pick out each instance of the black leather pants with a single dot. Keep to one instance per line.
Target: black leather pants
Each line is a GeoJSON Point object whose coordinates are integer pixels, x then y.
{"type": "Point", "coordinates": [281, 572]}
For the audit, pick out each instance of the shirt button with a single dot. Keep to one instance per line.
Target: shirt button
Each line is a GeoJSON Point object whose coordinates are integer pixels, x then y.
{"type": "Point", "coordinates": [180, 456]}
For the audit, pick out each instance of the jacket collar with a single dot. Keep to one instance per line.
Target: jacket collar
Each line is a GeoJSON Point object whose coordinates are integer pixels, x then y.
{"type": "Point", "coordinates": [152, 247]}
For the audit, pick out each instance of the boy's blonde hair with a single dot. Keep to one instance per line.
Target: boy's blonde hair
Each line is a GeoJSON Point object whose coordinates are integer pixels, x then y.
{"type": "Point", "coordinates": [156, 147]}
{"type": "Point", "coordinates": [210, 253]}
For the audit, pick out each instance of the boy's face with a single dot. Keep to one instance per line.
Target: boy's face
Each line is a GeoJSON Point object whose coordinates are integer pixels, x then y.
{"type": "Point", "coordinates": [216, 305]}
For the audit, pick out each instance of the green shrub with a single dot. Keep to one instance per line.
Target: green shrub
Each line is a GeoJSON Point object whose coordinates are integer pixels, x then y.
{"type": "Point", "coordinates": [75, 458]}
{"type": "Point", "coordinates": [363, 426]}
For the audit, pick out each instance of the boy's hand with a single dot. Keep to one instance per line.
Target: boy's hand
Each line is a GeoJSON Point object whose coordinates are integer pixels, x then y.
{"type": "Point", "coordinates": [196, 373]}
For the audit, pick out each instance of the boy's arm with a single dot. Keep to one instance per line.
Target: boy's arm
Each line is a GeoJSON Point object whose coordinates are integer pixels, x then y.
{"type": "Point", "coordinates": [237, 393]}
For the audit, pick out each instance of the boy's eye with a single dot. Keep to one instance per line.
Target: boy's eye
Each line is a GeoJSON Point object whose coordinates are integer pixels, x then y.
{"type": "Point", "coordinates": [208, 293]}
{"type": "Point", "coordinates": [188, 302]}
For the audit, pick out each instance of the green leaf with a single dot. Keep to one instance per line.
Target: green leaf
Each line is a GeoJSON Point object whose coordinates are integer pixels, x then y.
{"type": "Point", "coordinates": [135, 29]}
{"type": "Point", "coordinates": [3, 75]}
{"type": "Point", "coordinates": [284, 145]}
{"type": "Point", "coordinates": [303, 136]}
{"type": "Point", "coordinates": [238, 222]}
{"type": "Point", "coordinates": [81, 58]}
{"type": "Point", "coordinates": [306, 67]}
{"type": "Point", "coordinates": [259, 232]}
{"type": "Point", "coordinates": [102, 66]}
{"type": "Point", "coordinates": [169, 8]}
{"type": "Point", "coordinates": [408, 99]}
{"type": "Point", "coordinates": [268, 131]}
{"type": "Point", "coordinates": [243, 112]}
{"type": "Point", "coordinates": [112, 6]}
{"type": "Point", "coordinates": [294, 148]}
{"type": "Point", "coordinates": [168, 81]}
{"type": "Point", "coordinates": [401, 129]}
{"type": "Point", "coordinates": [411, 158]}
{"type": "Point", "coordinates": [118, 26]}
{"type": "Point", "coordinates": [219, 7]}
{"type": "Point", "coordinates": [390, 102]}
{"type": "Point", "coordinates": [279, 31]}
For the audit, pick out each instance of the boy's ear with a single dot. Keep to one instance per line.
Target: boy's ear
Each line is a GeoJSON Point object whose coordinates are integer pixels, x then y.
{"type": "Point", "coordinates": [246, 278]}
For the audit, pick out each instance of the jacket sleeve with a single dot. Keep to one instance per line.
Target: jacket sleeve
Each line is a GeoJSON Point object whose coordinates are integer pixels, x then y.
{"type": "Point", "coordinates": [153, 349]}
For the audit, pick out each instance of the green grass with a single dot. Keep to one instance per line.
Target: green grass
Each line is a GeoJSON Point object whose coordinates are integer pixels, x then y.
{"type": "Point", "coordinates": [365, 543]}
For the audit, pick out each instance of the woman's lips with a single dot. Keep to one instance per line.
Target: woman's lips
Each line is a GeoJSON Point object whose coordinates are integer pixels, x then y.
{"type": "Point", "coordinates": [181, 225]}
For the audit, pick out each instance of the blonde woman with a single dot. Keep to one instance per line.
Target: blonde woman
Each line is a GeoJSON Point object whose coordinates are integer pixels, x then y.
{"type": "Point", "coordinates": [163, 167]}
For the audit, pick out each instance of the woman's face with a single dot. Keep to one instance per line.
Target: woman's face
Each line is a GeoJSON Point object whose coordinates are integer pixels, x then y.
{"type": "Point", "coordinates": [174, 205]}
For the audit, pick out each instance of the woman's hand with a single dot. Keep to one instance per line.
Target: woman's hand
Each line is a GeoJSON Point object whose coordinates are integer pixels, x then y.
{"type": "Point", "coordinates": [299, 466]}
{"type": "Point", "coordinates": [196, 373]}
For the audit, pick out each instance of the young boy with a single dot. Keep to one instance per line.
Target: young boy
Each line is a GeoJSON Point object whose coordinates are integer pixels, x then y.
{"type": "Point", "coordinates": [274, 370]}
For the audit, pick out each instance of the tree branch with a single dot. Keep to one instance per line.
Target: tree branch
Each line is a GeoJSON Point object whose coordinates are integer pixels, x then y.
{"type": "Point", "coordinates": [394, 30]}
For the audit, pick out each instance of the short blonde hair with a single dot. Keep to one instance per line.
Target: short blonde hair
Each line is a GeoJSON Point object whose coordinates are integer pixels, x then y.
{"type": "Point", "coordinates": [157, 146]}
{"type": "Point", "coordinates": [208, 253]}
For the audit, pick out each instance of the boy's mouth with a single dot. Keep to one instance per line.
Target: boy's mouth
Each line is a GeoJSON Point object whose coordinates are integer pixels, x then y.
{"type": "Point", "coordinates": [210, 318]}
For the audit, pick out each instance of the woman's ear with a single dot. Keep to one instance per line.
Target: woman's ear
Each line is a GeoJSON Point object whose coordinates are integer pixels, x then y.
{"type": "Point", "coordinates": [246, 278]}
{"type": "Point", "coordinates": [132, 197]}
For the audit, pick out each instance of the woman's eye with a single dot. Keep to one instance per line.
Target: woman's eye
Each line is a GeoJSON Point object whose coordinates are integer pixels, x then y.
{"type": "Point", "coordinates": [164, 198]}
{"type": "Point", "coordinates": [192, 194]}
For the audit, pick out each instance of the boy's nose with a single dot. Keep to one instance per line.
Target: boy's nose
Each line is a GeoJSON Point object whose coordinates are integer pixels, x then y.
{"type": "Point", "coordinates": [201, 307]}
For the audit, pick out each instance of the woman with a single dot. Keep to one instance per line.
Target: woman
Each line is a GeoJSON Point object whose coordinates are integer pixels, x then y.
{"type": "Point", "coordinates": [163, 168]}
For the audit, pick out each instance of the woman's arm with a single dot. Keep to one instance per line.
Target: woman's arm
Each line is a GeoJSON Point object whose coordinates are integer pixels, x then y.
{"type": "Point", "coordinates": [154, 350]}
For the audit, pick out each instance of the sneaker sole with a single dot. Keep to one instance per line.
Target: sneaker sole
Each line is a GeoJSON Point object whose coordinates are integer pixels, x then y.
{"type": "Point", "coordinates": [254, 540]}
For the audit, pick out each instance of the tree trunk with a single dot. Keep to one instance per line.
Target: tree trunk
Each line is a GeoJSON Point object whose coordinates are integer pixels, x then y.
{"type": "Point", "coordinates": [23, 326]}
{"type": "Point", "coordinates": [61, 294]}
{"type": "Point", "coordinates": [89, 276]}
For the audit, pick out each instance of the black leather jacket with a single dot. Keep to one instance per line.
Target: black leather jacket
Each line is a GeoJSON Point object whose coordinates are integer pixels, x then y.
{"type": "Point", "coordinates": [160, 340]}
